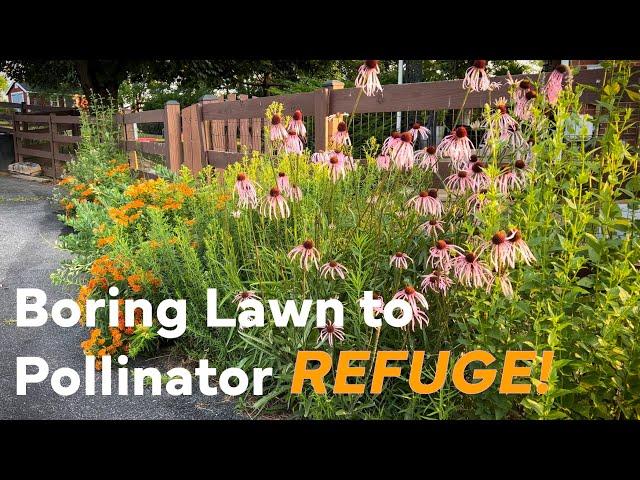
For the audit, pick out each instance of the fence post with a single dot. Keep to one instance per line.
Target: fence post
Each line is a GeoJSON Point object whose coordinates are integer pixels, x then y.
{"type": "Point", "coordinates": [129, 135]}
{"type": "Point", "coordinates": [173, 135]}
{"type": "Point", "coordinates": [52, 147]}
{"type": "Point", "coordinates": [324, 126]}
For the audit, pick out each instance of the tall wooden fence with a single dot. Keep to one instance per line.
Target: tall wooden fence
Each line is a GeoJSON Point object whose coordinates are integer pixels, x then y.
{"type": "Point", "coordinates": [218, 131]}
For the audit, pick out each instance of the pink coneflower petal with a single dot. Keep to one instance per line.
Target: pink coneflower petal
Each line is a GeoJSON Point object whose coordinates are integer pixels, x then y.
{"type": "Point", "coordinates": [292, 143]}
{"type": "Point", "coordinates": [440, 255]}
{"type": "Point", "coordinates": [383, 162]}
{"type": "Point", "coordinates": [245, 295]}
{"type": "Point", "coordinates": [295, 192]}
{"type": "Point", "coordinates": [555, 83]}
{"type": "Point", "coordinates": [471, 271]}
{"type": "Point", "coordinates": [502, 253]}
{"type": "Point", "coordinates": [460, 182]}
{"type": "Point", "coordinates": [297, 125]}
{"type": "Point", "coordinates": [320, 158]}
{"type": "Point", "coordinates": [247, 196]}
{"type": "Point", "coordinates": [330, 333]}
{"type": "Point", "coordinates": [337, 166]}
{"type": "Point", "coordinates": [476, 78]}
{"type": "Point", "coordinates": [341, 137]}
{"type": "Point", "coordinates": [508, 181]}
{"type": "Point", "coordinates": [367, 78]}
{"type": "Point", "coordinates": [419, 132]}
{"type": "Point", "coordinates": [427, 203]}
{"type": "Point", "coordinates": [400, 260]}
{"type": "Point", "coordinates": [432, 227]}
{"type": "Point", "coordinates": [522, 251]}
{"type": "Point", "coordinates": [418, 302]}
{"type": "Point", "coordinates": [333, 268]}
{"type": "Point", "coordinates": [390, 143]}
{"type": "Point", "coordinates": [274, 205]}
{"type": "Point", "coordinates": [309, 255]}
{"type": "Point", "coordinates": [437, 281]}
{"type": "Point", "coordinates": [402, 154]}
{"type": "Point", "coordinates": [427, 159]}
{"type": "Point", "coordinates": [457, 147]}
{"type": "Point", "coordinates": [277, 132]}
{"type": "Point", "coordinates": [480, 179]}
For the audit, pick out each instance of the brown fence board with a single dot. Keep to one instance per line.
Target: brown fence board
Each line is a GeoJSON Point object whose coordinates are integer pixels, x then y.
{"type": "Point", "coordinates": [46, 136]}
{"type": "Point", "coordinates": [32, 152]}
{"type": "Point", "coordinates": [222, 159]}
{"type": "Point", "coordinates": [255, 107]}
{"type": "Point", "coordinates": [32, 118]}
{"type": "Point", "coordinates": [150, 116]}
{"type": "Point", "coordinates": [153, 148]}
{"type": "Point", "coordinates": [68, 119]}
{"type": "Point", "coordinates": [256, 134]}
{"type": "Point", "coordinates": [6, 130]}
{"type": "Point", "coordinates": [66, 138]}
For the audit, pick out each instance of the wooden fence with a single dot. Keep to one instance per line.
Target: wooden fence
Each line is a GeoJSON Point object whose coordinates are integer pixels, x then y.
{"type": "Point", "coordinates": [218, 131]}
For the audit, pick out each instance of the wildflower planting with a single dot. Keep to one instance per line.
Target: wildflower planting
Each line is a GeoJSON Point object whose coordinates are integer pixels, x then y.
{"type": "Point", "coordinates": [524, 245]}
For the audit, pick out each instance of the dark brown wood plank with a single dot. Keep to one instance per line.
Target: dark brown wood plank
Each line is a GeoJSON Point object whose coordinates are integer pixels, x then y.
{"type": "Point", "coordinates": [66, 138]}
{"type": "Point", "coordinates": [33, 152]}
{"type": "Point", "coordinates": [34, 135]}
{"type": "Point", "coordinates": [150, 116]}
{"type": "Point", "coordinates": [256, 134]}
{"type": "Point", "coordinates": [255, 107]}
{"type": "Point", "coordinates": [23, 117]}
{"type": "Point", "coordinates": [68, 119]}
{"type": "Point", "coordinates": [222, 159]}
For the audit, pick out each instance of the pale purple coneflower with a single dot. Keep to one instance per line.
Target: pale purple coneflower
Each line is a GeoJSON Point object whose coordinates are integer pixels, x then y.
{"type": "Point", "coordinates": [320, 158]}
{"type": "Point", "coordinates": [476, 78]}
{"type": "Point", "coordinates": [293, 144]}
{"type": "Point", "coordinates": [554, 84]}
{"type": "Point", "coordinates": [336, 165]}
{"type": "Point", "coordinates": [245, 295]}
{"type": "Point", "coordinates": [308, 253]}
{"type": "Point", "coordinates": [391, 142]}
{"type": "Point", "coordinates": [274, 205]}
{"type": "Point", "coordinates": [437, 281]}
{"type": "Point", "coordinates": [383, 162]}
{"type": "Point", "coordinates": [341, 137]}
{"type": "Point", "coordinates": [520, 110]}
{"type": "Point", "coordinates": [416, 300]}
{"type": "Point", "coordinates": [295, 192]}
{"type": "Point", "coordinates": [480, 179]}
{"type": "Point", "coordinates": [400, 260]}
{"type": "Point", "coordinates": [440, 255]}
{"type": "Point", "coordinates": [456, 146]}
{"type": "Point", "coordinates": [367, 78]}
{"type": "Point", "coordinates": [402, 154]}
{"type": "Point", "coordinates": [330, 333]}
{"type": "Point", "coordinates": [522, 170]}
{"type": "Point", "coordinates": [502, 253]}
{"type": "Point", "coordinates": [427, 159]}
{"type": "Point", "coordinates": [523, 252]}
{"type": "Point", "coordinates": [508, 181]}
{"type": "Point", "coordinates": [283, 182]}
{"type": "Point", "coordinates": [247, 196]}
{"type": "Point", "coordinates": [277, 132]}
{"type": "Point", "coordinates": [505, 283]}
{"type": "Point", "coordinates": [478, 200]}
{"type": "Point", "coordinates": [432, 227]}
{"type": "Point", "coordinates": [525, 109]}
{"type": "Point", "coordinates": [506, 122]}
{"type": "Point", "coordinates": [333, 268]}
{"type": "Point", "coordinates": [471, 271]}
{"type": "Point", "coordinates": [460, 182]}
{"type": "Point", "coordinates": [427, 203]}
{"type": "Point", "coordinates": [419, 131]}
{"type": "Point", "coordinates": [297, 125]}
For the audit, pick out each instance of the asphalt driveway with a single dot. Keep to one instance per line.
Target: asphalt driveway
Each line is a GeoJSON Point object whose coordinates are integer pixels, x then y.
{"type": "Point", "coordinates": [29, 229]}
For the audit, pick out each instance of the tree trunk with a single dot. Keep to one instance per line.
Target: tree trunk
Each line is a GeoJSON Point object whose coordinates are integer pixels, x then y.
{"type": "Point", "coordinates": [100, 80]}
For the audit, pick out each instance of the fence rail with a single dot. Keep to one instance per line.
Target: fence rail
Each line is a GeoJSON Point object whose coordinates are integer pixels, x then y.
{"type": "Point", "coordinates": [218, 131]}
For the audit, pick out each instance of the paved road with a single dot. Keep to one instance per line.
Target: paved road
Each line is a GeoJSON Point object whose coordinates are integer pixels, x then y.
{"type": "Point", "coordinates": [28, 232]}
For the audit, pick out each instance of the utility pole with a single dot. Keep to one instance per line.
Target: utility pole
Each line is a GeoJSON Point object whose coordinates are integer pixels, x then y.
{"type": "Point", "coordinates": [399, 114]}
